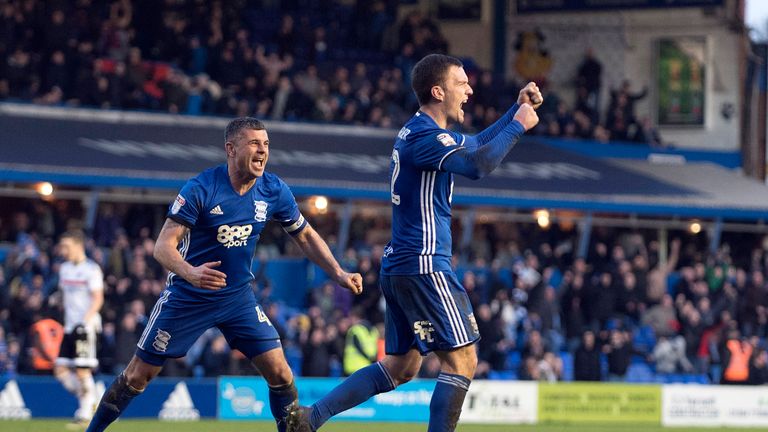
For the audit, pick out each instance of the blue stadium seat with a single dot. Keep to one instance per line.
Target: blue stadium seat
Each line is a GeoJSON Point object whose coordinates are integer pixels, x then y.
{"type": "Point", "coordinates": [514, 360]}
{"type": "Point", "coordinates": [644, 339]}
{"type": "Point", "coordinates": [640, 373]}
{"type": "Point", "coordinates": [672, 280]}
{"type": "Point", "coordinates": [502, 375]}
{"type": "Point", "coordinates": [700, 379]}
{"type": "Point", "coordinates": [335, 369]}
{"type": "Point", "coordinates": [567, 365]}
{"type": "Point", "coordinates": [294, 357]}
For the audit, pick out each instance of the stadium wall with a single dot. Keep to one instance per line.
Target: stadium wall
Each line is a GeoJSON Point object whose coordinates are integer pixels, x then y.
{"type": "Point", "coordinates": [479, 45]}
{"type": "Point", "coordinates": [492, 402]}
{"type": "Point", "coordinates": [625, 43]}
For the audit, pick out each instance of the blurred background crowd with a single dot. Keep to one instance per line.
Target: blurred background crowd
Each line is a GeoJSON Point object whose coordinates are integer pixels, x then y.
{"type": "Point", "coordinates": [320, 61]}
{"type": "Point", "coordinates": [627, 311]}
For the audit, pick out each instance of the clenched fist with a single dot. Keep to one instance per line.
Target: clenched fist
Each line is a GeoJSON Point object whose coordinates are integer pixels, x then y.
{"type": "Point", "coordinates": [530, 94]}
{"type": "Point", "coordinates": [527, 116]}
{"type": "Point", "coordinates": [351, 281]}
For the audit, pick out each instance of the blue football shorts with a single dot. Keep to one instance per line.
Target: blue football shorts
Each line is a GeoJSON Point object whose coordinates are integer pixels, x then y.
{"type": "Point", "coordinates": [177, 320]}
{"type": "Point", "coordinates": [429, 312]}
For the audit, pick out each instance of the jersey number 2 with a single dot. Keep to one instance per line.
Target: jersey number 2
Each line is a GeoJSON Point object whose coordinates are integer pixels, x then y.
{"type": "Point", "coordinates": [395, 173]}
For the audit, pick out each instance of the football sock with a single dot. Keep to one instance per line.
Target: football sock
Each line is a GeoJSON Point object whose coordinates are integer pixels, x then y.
{"type": "Point", "coordinates": [358, 388]}
{"type": "Point", "coordinates": [87, 397]}
{"type": "Point", "coordinates": [112, 404]}
{"type": "Point", "coordinates": [280, 400]}
{"type": "Point", "coordinates": [445, 407]}
{"type": "Point", "coordinates": [70, 382]}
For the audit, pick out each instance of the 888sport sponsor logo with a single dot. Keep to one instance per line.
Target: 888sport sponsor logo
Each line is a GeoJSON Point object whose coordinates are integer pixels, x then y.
{"type": "Point", "coordinates": [234, 235]}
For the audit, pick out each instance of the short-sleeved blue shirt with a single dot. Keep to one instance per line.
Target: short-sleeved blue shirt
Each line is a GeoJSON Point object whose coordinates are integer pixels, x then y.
{"type": "Point", "coordinates": [225, 226]}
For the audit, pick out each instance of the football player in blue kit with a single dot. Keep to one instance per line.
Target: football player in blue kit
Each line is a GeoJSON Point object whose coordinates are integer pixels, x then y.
{"type": "Point", "coordinates": [207, 244]}
{"type": "Point", "coordinates": [427, 308]}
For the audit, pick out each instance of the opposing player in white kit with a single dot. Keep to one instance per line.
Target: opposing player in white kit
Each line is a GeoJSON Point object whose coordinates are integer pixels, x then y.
{"type": "Point", "coordinates": [81, 282]}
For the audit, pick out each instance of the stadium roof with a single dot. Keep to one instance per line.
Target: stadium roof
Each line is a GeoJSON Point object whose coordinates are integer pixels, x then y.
{"type": "Point", "coordinates": [159, 151]}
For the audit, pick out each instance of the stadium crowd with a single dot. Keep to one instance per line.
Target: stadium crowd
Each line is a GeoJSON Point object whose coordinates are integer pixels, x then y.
{"type": "Point", "coordinates": [325, 61]}
{"type": "Point", "coordinates": [620, 313]}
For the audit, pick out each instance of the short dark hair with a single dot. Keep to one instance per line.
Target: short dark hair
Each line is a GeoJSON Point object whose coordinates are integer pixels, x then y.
{"type": "Point", "coordinates": [239, 124]}
{"type": "Point", "coordinates": [75, 235]}
{"type": "Point", "coordinates": [431, 71]}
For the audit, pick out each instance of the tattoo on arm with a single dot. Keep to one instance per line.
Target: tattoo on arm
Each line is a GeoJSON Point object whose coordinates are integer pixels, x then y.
{"type": "Point", "coordinates": [179, 229]}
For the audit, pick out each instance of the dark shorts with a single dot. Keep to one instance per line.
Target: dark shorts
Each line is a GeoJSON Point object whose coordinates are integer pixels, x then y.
{"type": "Point", "coordinates": [78, 348]}
{"type": "Point", "coordinates": [428, 312]}
{"type": "Point", "coordinates": [177, 321]}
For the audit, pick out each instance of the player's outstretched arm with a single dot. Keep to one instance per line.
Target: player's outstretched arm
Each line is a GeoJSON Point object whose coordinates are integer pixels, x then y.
{"type": "Point", "coordinates": [167, 254]}
{"type": "Point", "coordinates": [317, 251]}
{"type": "Point", "coordinates": [480, 161]}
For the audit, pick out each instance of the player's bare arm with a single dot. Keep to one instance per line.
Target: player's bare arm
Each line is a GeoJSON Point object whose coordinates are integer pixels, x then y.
{"type": "Point", "coordinates": [97, 301]}
{"type": "Point", "coordinates": [317, 251]}
{"type": "Point", "coordinates": [167, 254]}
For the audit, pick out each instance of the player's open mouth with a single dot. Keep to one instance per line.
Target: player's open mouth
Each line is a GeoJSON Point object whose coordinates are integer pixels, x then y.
{"type": "Point", "coordinates": [259, 162]}
{"type": "Point", "coordinates": [461, 106]}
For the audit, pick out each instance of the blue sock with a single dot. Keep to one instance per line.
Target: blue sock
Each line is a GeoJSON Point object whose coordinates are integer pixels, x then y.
{"type": "Point", "coordinates": [115, 399]}
{"type": "Point", "coordinates": [280, 400]}
{"type": "Point", "coordinates": [445, 407]}
{"type": "Point", "coordinates": [358, 388]}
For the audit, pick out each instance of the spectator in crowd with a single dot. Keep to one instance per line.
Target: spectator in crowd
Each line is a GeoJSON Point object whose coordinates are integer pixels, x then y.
{"type": "Point", "coordinates": [46, 335]}
{"type": "Point", "coordinates": [586, 360]}
{"type": "Point", "coordinates": [589, 78]}
{"type": "Point", "coordinates": [663, 317]}
{"type": "Point", "coordinates": [493, 347]}
{"type": "Point", "coordinates": [758, 367]}
{"type": "Point", "coordinates": [361, 348]}
{"type": "Point", "coordinates": [737, 354]}
{"type": "Point", "coordinates": [619, 351]}
{"type": "Point", "coordinates": [317, 353]}
{"type": "Point", "coordinates": [669, 354]}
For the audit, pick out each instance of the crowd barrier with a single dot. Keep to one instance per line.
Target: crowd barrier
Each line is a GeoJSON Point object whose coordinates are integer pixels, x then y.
{"type": "Point", "coordinates": [167, 398]}
{"type": "Point", "coordinates": [498, 402]}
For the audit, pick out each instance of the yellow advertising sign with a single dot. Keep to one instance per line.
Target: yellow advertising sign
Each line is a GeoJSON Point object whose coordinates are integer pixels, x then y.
{"type": "Point", "coordinates": [599, 403]}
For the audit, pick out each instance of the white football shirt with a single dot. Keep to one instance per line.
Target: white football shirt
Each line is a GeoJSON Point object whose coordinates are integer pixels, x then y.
{"type": "Point", "coordinates": [77, 282]}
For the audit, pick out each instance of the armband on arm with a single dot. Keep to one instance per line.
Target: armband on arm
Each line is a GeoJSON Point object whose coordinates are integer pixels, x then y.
{"type": "Point", "coordinates": [294, 227]}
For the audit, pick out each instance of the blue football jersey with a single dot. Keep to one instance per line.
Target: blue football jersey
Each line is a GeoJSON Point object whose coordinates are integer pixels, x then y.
{"type": "Point", "coordinates": [225, 226]}
{"type": "Point", "coordinates": [421, 198]}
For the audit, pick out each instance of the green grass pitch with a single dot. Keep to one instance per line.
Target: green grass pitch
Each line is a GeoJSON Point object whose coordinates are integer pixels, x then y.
{"type": "Point", "coordinates": [339, 426]}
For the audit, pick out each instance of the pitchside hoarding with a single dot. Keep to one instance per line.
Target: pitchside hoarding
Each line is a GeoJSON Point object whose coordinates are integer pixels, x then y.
{"type": "Point", "coordinates": [599, 403]}
{"type": "Point", "coordinates": [501, 402]}
{"type": "Point", "coordinates": [166, 399]}
{"type": "Point", "coordinates": [247, 398]}
{"type": "Point", "coordinates": [687, 405]}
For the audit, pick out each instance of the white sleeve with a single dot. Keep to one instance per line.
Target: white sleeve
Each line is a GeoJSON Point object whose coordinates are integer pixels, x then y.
{"type": "Point", "coordinates": [96, 281]}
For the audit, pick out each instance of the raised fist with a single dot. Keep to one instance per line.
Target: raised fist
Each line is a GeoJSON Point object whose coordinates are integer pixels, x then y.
{"type": "Point", "coordinates": [526, 116]}
{"type": "Point", "coordinates": [530, 94]}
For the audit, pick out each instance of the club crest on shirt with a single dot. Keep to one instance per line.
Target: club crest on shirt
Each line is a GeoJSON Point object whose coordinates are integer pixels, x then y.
{"type": "Point", "coordinates": [260, 209]}
{"type": "Point", "coordinates": [178, 204]}
{"type": "Point", "coordinates": [446, 139]}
